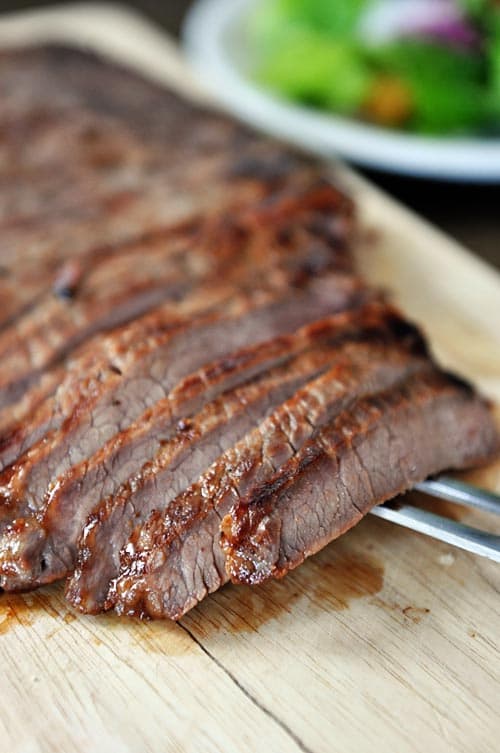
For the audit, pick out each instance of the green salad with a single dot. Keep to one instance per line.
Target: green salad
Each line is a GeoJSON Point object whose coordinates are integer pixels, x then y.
{"type": "Point", "coordinates": [427, 66]}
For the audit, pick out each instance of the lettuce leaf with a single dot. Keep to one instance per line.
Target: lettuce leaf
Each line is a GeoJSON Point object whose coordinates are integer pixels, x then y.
{"type": "Point", "coordinates": [338, 18]}
{"type": "Point", "coordinates": [311, 68]}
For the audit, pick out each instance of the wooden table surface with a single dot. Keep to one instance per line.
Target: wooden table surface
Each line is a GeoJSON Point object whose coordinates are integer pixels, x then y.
{"type": "Point", "coordinates": [384, 641]}
{"type": "Point", "coordinates": [468, 213]}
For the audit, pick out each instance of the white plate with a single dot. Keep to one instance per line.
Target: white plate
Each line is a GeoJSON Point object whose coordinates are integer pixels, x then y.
{"type": "Point", "coordinates": [214, 36]}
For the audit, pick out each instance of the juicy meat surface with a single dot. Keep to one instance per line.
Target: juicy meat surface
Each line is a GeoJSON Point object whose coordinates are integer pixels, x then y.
{"type": "Point", "coordinates": [196, 384]}
{"type": "Point", "coordinates": [132, 383]}
{"type": "Point", "coordinates": [278, 244]}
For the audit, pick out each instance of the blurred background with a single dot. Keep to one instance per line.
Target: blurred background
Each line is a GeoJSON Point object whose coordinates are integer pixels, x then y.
{"type": "Point", "coordinates": [468, 212]}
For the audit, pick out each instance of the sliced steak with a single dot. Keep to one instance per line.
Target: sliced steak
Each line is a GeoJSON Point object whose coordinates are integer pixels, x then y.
{"type": "Point", "coordinates": [203, 438]}
{"type": "Point", "coordinates": [111, 520]}
{"type": "Point", "coordinates": [84, 174]}
{"type": "Point", "coordinates": [180, 449]}
{"type": "Point", "coordinates": [192, 520]}
{"type": "Point", "coordinates": [364, 456]}
{"type": "Point", "coordinates": [146, 371]}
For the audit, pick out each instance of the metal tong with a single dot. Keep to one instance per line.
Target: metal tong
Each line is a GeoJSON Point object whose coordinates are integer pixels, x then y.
{"type": "Point", "coordinates": [438, 527]}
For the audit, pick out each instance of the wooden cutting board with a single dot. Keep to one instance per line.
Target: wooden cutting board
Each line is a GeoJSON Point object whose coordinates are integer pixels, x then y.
{"type": "Point", "coordinates": [385, 641]}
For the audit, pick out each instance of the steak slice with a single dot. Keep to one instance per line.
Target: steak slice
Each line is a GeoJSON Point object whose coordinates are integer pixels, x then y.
{"type": "Point", "coordinates": [204, 440]}
{"type": "Point", "coordinates": [297, 500]}
{"type": "Point", "coordinates": [325, 343]}
{"type": "Point", "coordinates": [138, 376]}
{"type": "Point", "coordinates": [379, 449]}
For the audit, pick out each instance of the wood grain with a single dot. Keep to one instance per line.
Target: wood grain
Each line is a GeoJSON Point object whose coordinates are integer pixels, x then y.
{"type": "Point", "coordinates": [386, 640]}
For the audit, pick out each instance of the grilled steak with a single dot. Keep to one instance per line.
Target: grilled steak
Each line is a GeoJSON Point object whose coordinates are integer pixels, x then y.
{"type": "Point", "coordinates": [201, 444]}
{"type": "Point", "coordinates": [74, 496]}
{"type": "Point", "coordinates": [196, 385]}
{"type": "Point", "coordinates": [367, 361]}
{"type": "Point", "coordinates": [177, 462]}
{"type": "Point", "coordinates": [364, 456]}
{"type": "Point", "coordinates": [84, 174]}
{"type": "Point", "coordinates": [129, 382]}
